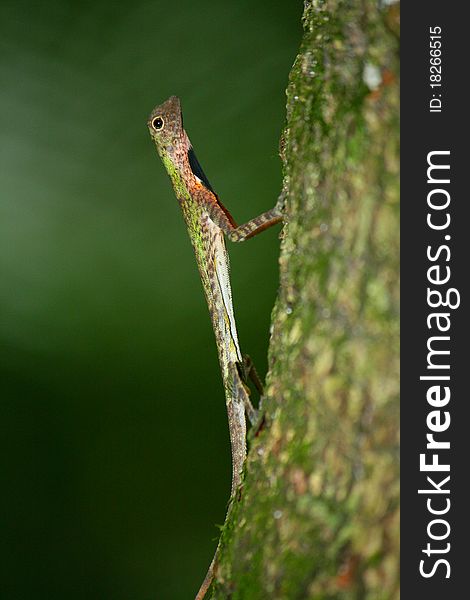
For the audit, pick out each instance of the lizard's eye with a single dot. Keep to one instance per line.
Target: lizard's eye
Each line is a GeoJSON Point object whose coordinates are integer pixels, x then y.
{"type": "Point", "coordinates": [158, 123]}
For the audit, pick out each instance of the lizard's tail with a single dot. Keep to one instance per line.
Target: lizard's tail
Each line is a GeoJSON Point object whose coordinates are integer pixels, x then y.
{"type": "Point", "coordinates": [209, 578]}
{"type": "Point", "coordinates": [236, 417]}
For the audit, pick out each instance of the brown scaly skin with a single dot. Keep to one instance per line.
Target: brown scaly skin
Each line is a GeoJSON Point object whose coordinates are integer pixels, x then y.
{"type": "Point", "coordinates": [207, 220]}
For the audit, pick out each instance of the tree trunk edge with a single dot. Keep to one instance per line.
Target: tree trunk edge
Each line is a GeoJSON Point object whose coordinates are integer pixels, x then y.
{"type": "Point", "coordinates": [319, 510]}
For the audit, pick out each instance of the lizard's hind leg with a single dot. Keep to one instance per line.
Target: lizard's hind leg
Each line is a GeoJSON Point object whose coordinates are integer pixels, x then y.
{"type": "Point", "coordinates": [243, 393]}
{"type": "Point", "coordinates": [250, 372]}
{"type": "Point", "coordinates": [246, 371]}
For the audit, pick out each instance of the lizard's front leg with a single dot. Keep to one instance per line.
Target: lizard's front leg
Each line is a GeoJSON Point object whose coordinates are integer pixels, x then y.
{"type": "Point", "coordinates": [259, 223]}
{"type": "Point", "coordinates": [252, 227]}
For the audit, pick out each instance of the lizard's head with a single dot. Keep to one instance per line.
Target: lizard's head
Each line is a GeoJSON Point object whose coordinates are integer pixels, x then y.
{"type": "Point", "coordinates": [166, 128]}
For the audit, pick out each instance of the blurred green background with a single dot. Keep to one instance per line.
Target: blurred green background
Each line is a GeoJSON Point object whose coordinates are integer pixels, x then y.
{"type": "Point", "coordinates": [116, 464]}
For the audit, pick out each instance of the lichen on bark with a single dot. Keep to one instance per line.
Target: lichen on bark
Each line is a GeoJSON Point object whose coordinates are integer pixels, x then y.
{"type": "Point", "coordinates": [318, 511]}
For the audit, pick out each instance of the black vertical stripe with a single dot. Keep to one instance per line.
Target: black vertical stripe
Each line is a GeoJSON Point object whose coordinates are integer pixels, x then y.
{"type": "Point", "coordinates": [197, 169]}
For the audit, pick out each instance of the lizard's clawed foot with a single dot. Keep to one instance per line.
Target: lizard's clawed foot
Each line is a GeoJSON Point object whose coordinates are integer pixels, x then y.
{"type": "Point", "coordinates": [280, 205]}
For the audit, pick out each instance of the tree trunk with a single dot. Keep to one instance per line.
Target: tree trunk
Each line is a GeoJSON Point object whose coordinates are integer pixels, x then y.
{"type": "Point", "coordinates": [318, 512]}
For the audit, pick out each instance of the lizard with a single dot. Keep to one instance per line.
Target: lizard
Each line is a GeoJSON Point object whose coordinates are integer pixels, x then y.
{"type": "Point", "coordinates": [208, 221]}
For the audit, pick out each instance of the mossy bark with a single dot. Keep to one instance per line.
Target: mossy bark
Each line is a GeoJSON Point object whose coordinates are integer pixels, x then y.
{"type": "Point", "coordinates": [318, 511]}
